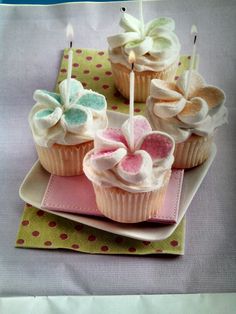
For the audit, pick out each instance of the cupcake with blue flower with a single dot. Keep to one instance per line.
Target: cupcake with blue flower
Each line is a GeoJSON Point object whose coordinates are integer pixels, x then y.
{"type": "Point", "coordinates": [64, 131]}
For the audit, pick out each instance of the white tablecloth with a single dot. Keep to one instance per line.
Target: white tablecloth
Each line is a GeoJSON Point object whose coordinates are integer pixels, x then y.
{"type": "Point", "coordinates": [32, 40]}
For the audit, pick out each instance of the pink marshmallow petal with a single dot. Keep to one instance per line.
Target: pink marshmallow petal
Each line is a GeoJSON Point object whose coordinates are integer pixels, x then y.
{"type": "Point", "coordinates": [141, 128]}
{"type": "Point", "coordinates": [164, 90]}
{"type": "Point", "coordinates": [158, 145]}
{"type": "Point", "coordinates": [107, 159]}
{"type": "Point", "coordinates": [109, 139]}
{"type": "Point", "coordinates": [135, 167]}
{"type": "Point", "coordinates": [196, 82]}
{"type": "Point", "coordinates": [212, 95]}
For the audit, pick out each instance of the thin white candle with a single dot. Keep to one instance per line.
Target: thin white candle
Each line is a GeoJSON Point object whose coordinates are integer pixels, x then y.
{"type": "Point", "coordinates": [131, 99]}
{"type": "Point", "coordinates": [70, 34]}
{"type": "Point", "coordinates": [193, 57]}
{"type": "Point", "coordinates": [141, 16]}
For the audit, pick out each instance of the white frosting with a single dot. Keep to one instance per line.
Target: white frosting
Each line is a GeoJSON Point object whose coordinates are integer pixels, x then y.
{"type": "Point", "coordinates": [201, 113]}
{"type": "Point", "coordinates": [143, 170]}
{"type": "Point", "coordinates": [52, 121]}
{"type": "Point", "coordinates": [155, 48]}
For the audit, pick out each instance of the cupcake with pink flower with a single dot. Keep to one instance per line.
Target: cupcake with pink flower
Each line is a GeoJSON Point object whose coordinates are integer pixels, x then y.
{"type": "Point", "coordinates": [130, 182]}
{"type": "Point", "coordinates": [191, 120]}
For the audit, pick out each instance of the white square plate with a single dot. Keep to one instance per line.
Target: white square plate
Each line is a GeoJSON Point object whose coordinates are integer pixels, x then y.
{"type": "Point", "coordinates": [35, 183]}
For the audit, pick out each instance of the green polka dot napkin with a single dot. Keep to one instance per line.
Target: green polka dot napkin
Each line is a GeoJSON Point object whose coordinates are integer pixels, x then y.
{"type": "Point", "coordinates": [39, 229]}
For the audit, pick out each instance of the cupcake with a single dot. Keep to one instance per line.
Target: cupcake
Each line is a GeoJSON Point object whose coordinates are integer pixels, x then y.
{"type": "Point", "coordinates": [156, 48]}
{"type": "Point", "coordinates": [190, 120]}
{"type": "Point", "coordinates": [63, 134]}
{"type": "Point", "coordinates": [130, 185]}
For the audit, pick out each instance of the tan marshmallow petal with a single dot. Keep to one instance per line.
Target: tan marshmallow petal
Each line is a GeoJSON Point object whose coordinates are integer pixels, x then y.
{"type": "Point", "coordinates": [212, 95]}
{"type": "Point", "coordinates": [194, 111]}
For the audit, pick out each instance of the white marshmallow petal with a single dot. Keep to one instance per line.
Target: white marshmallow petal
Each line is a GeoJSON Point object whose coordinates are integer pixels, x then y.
{"type": "Point", "coordinates": [109, 139]}
{"type": "Point", "coordinates": [75, 89]}
{"type": "Point", "coordinates": [130, 23]}
{"type": "Point", "coordinates": [168, 109]}
{"type": "Point", "coordinates": [197, 82]}
{"type": "Point", "coordinates": [164, 90]}
{"type": "Point", "coordinates": [140, 47]}
{"type": "Point", "coordinates": [141, 128]}
{"type": "Point", "coordinates": [121, 39]}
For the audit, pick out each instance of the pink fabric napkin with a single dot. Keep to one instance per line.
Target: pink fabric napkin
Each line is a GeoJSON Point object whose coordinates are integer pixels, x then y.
{"type": "Point", "coordinates": [76, 195]}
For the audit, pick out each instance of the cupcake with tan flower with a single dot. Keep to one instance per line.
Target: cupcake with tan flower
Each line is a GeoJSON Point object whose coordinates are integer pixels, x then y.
{"type": "Point", "coordinates": [156, 49]}
{"type": "Point", "coordinates": [190, 112]}
{"type": "Point", "coordinates": [130, 181]}
{"type": "Point", "coordinates": [64, 133]}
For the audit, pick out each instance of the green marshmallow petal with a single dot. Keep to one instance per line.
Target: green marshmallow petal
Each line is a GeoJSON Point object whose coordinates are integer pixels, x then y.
{"type": "Point", "coordinates": [48, 98]}
{"type": "Point", "coordinates": [73, 119]}
{"type": "Point", "coordinates": [161, 43]}
{"type": "Point", "coordinates": [43, 113]}
{"type": "Point", "coordinates": [47, 118]}
{"type": "Point", "coordinates": [93, 101]}
{"type": "Point", "coordinates": [75, 116]}
{"type": "Point", "coordinates": [163, 23]}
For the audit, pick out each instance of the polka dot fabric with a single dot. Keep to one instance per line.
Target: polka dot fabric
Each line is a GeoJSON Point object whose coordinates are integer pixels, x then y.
{"type": "Point", "coordinates": [92, 68]}
{"type": "Point", "coordinates": [39, 229]}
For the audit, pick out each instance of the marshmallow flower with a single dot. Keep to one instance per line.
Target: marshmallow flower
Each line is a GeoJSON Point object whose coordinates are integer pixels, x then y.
{"type": "Point", "coordinates": [54, 121]}
{"type": "Point", "coordinates": [155, 46]}
{"type": "Point", "coordinates": [112, 151]}
{"type": "Point", "coordinates": [156, 38]}
{"type": "Point", "coordinates": [200, 112]}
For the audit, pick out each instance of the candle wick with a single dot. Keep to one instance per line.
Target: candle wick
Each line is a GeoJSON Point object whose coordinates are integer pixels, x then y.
{"type": "Point", "coordinates": [191, 66]}
{"type": "Point", "coordinates": [70, 44]}
{"type": "Point", "coordinates": [132, 66]}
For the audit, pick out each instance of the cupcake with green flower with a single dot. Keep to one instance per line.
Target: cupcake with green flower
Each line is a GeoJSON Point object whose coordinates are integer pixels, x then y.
{"type": "Point", "coordinates": [157, 51]}
{"type": "Point", "coordinates": [64, 133]}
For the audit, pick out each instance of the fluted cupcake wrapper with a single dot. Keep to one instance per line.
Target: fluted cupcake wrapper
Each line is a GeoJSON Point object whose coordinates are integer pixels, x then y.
{"type": "Point", "coordinates": [192, 152]}
{"type": "Point", "coordinates": [127, 207]}
{"type": "Point", "coordinates": [142, 80]}
{"type": "Point", "coordinates": [64, 160]}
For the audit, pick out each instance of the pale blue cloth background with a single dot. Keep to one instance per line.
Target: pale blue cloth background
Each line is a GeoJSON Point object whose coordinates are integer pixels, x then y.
{"type": "Point", "coordinates": [151, 304]}
{"type": "Point", "coordinates": [32, 40]}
